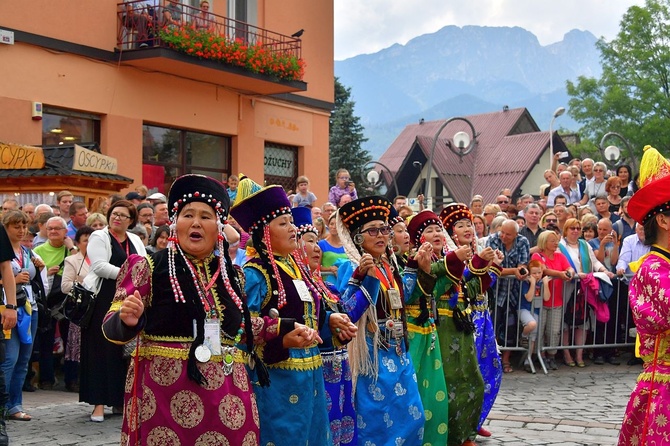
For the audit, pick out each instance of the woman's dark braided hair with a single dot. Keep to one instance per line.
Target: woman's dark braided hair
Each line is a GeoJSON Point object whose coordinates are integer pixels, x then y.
{"type": "Point", "coordinates": [261, 369]}
{"type": "Point", "coordinates": [262, 250]}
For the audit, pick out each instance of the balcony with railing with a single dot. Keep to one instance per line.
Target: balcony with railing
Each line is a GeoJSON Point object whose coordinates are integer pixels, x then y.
{"type": "Point", "coordinates": [199, 45]}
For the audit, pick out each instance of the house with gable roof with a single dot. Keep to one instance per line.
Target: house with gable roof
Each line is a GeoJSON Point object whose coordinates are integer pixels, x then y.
{"type": "Point", "coordinates": [511, 152]}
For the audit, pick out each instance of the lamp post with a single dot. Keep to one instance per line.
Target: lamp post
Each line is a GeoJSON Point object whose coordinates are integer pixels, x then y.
{"type": "Point", "coordinates": [612, 154]}
{"type": "Point", "coordinates": [374, 179]}
{"type": "Point", "coordinates": [558, 112]}
{"type": "Point", "coordinates": [462, 140]}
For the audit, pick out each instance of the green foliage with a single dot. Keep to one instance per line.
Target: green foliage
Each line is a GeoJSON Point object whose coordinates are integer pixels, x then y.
{"type": "Point", "coordinates": [632, 97]}
{"type": "Point", "coordinates": [346, 137]}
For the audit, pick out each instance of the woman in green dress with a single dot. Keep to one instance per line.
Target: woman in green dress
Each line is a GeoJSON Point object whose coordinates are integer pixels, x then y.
{"type": "Point", "coordinates": [424, 345]}
{"type": "Point", "coordinates": [462, 274]}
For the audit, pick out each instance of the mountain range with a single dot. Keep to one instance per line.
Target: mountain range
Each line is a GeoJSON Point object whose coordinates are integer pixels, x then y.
{"type": "Point", "coordinates": [460, 71]}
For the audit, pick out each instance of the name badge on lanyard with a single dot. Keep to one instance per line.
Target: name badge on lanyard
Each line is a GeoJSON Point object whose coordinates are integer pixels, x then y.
{"type": "Point", "coordinates": [394, 299]}
{"type": "Point", "coordinates": [213, 335]}
{"type": "Point", "coordinates": [303, 291]}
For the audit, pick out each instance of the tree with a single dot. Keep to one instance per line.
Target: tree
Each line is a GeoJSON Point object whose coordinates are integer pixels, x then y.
{"type": "Point", "coordinates": [632, 97]}
{"type": "Point", "coordinates": [346, 137]}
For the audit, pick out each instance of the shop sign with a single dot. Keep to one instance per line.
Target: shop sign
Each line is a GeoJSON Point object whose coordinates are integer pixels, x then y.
{"type": "Point", "coordinates": [16, 156]}
{"type": "Point", "coordinates": [279, 162]}
{"type": "Point", "coordinates": [89, 161]}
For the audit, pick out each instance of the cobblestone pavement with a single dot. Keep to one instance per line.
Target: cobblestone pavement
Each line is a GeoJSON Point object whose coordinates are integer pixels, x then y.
{"type": "Point", "coordinates": [570, 406]}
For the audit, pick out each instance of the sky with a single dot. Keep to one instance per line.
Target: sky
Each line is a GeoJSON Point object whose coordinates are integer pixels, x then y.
{"type": "Point", "coordinates": [367, 26]}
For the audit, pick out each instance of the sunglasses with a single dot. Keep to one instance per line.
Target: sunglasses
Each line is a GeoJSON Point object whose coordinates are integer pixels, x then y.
{"type": "Point", "coordinates": [575, 228]}
{"type": "Point", "coordinates": [502, 202]}
{"type": "Point", "coordinates": [598, 170]}
{"type": "Point", "coordinates": [551, 220]}
{"type": "Point", "coordinates": [374, 232]}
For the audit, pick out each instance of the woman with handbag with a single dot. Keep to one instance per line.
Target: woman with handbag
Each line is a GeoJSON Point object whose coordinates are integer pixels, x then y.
{"type": "Point", "coordinates": [102, 367]}
{"type": "Point", "coordinates": [19, 345]}
{"type": "Point", "coordinates": [75, 269]}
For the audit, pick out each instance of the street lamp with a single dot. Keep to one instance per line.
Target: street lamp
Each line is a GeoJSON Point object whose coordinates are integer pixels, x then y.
{"type": "Point", "coordinates": [558, 112]}
{"type": "Point", "coordinates": [612, 154]}
{"type": "Point", "coordinates": [374, 178]}
{"type": "Point", "coordinates": [463, 142]}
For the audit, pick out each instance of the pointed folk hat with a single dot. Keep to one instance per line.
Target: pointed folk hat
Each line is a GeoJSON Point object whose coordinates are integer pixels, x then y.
{"type": "Point", "coordinates": [653, 197]}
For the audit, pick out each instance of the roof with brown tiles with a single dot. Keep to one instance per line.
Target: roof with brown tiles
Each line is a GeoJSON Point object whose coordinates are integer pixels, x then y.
{"type": "Point", "coordinates": [509, 144]}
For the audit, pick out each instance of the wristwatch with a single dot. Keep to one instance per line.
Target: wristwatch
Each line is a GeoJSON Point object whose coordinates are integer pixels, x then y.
{"type": "Point", "coordinates": [74, 248]}
{"type": "Point", "coordinates": [10, 307]}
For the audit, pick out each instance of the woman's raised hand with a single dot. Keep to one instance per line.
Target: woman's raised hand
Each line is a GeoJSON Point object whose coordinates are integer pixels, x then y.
{"type": "Point", "coordinates": [131, 309]}
{"type": "Point", "coordinates": [367, 265]}
{"type": "Point", "coordinates": [464, 253]}
{"type": "Point", "coordinates": [424, 256]}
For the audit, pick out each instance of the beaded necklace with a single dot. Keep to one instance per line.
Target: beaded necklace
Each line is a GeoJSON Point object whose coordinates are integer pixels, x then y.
{"type": "Point", "coordinates": [298, 271]}
{"type": "Point", "coordinates": [202, 289]}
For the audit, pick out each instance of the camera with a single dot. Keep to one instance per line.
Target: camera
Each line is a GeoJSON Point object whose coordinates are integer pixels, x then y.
{"type": "Point", "coordinates": [563, 155]}
{"type": "Point", "coordinates": [569, 274]}
{"type": "Point", "coordinates": [523, 271]}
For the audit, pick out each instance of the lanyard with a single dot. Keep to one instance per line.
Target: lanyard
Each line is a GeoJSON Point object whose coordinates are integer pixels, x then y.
{"type": "Point", "coordinates": [121, 243]}
{"type": "Point", "coordinates": [385, 276]}
{"type": "Point", "coordinates": [22, 259]}
{"type": "Point", "coordinates": [202, 288]}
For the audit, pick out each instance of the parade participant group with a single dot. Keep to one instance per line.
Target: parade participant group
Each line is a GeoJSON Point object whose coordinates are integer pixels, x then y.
{"type": "Point", "coordinates": [251, 343]}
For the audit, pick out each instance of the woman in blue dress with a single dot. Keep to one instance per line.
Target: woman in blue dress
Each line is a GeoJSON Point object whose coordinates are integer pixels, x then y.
{"type": "Point", "coordinates": [388, 405]}
{"type": "Point", "coordinates": [336, 368]}
{"type": "Point", "coordinates": [292, 409]}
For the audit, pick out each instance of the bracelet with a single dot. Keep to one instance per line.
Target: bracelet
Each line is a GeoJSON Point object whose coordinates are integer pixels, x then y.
{"type": "Point", "coordinates": [10, 307]}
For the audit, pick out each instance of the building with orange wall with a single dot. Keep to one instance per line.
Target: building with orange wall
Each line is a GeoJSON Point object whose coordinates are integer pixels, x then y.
{"type": "Point", "coordinates": [157, 111]}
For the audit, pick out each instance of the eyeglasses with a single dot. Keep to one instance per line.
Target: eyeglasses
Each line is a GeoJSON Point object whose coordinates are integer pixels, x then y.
{"type": "Point", "coordinates": [374, 232]}
{"type": "Point", "coordinates": [551, 220]}
{"type": "Point", "coordinates": [121, 217]}
{"type": "Point", "coordinates": [344, 178]}
{"type": "Point", "coordinates": [575, 228]}
{"type": "Point", "coordinates": [55, 229]}
{"type": "Point", "coordinates": [598, 170]}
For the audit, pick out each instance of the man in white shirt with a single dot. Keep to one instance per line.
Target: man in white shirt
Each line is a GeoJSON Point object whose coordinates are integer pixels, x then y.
{"type": "Point", "coordinates": [564, 188]}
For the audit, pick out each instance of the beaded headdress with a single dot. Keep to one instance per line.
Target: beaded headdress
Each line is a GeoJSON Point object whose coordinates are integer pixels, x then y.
{"type": "Point", "coordinates": [358, 212]}
{"type": "Point", "coordinates": [452, 213]}
{"type": "Point", "coordinates": [395, 218]}
{"type": "Point", "coordinates": [198, 188]}
{"type": "Point", "coordinates": [419, 223]}
{"type": "Point", "coordinates": [653, 197]}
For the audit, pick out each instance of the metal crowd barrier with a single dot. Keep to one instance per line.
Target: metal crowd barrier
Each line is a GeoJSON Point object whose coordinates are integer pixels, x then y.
{"type": "Point", "coordinates": [594, 335]}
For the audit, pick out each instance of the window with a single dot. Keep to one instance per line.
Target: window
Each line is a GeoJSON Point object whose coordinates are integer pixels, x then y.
{"type": "Point", "coordinates": [281, 165]}
{"type": "Point", "coordinates": [66, 127]}
{"type": "Point", "coordinates": [168, 153]}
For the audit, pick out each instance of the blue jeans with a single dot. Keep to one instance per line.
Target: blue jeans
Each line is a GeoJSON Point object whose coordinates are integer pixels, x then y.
{"type": "Point", "coordinates": [15, 366]}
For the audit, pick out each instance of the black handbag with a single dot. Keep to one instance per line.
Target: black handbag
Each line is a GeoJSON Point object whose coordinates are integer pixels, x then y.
{"type": "Point", "coordinates": [79, 304]}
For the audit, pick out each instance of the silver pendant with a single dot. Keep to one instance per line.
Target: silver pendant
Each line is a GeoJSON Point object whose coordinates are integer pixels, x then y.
{"type": "Point", "coordinates": [203, 353]}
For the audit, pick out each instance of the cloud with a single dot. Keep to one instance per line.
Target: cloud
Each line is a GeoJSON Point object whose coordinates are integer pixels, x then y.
{"type": "Point", "coordinates": [367, 26]}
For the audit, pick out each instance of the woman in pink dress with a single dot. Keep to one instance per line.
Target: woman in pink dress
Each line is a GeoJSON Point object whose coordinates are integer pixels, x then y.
{"type": "Point", "coordinates": [188, 381]}
{"type": "Point", "coordinates": [648, 411]}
